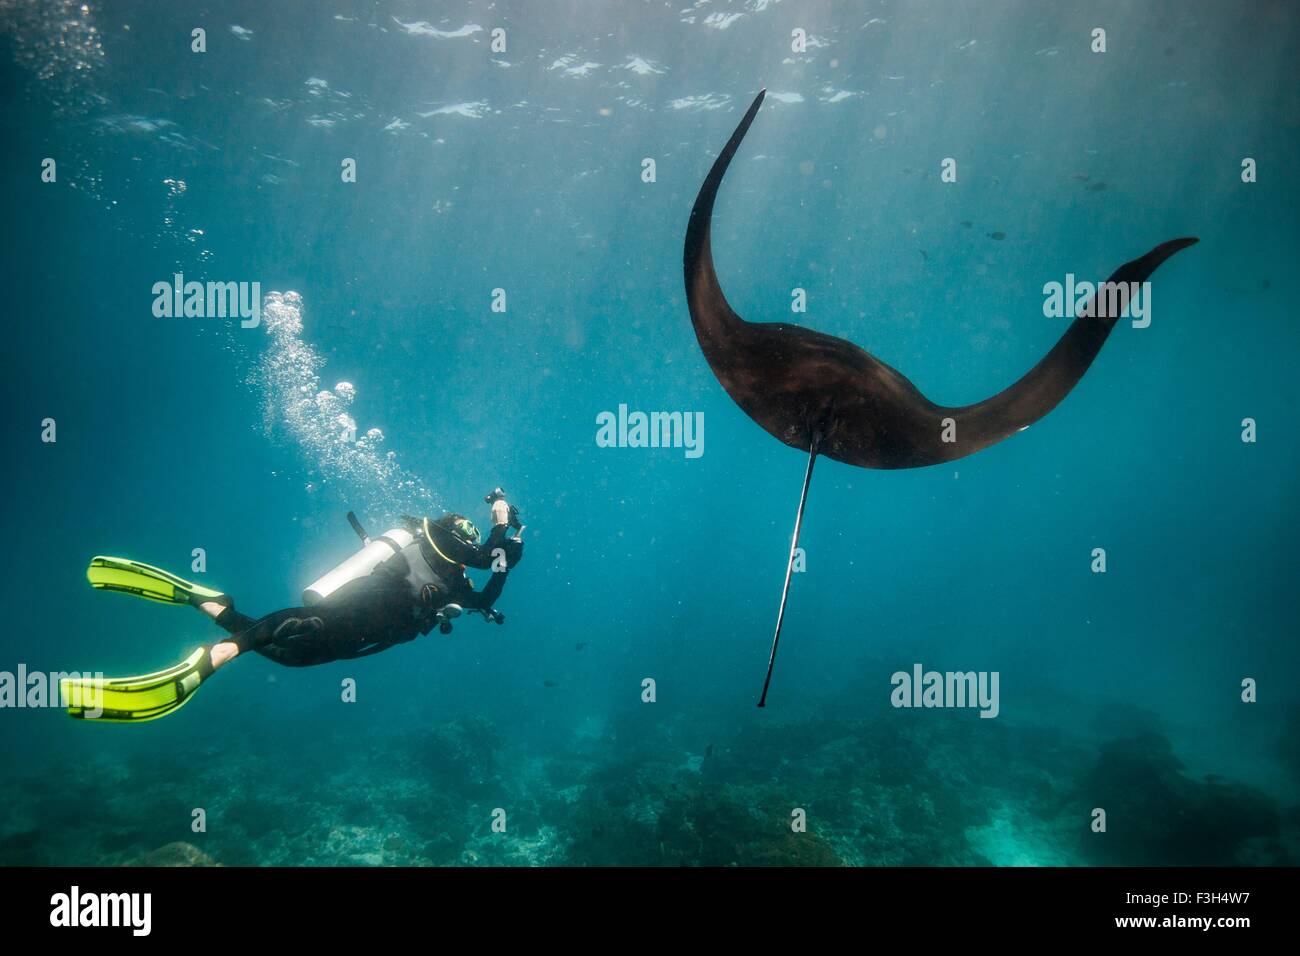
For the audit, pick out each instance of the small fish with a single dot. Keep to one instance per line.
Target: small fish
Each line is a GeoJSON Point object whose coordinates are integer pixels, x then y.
{"type": "Point", "coordinates": [708, 751]}
{"type": "Point", "coordinates": [580, 645]}
{"type": "Point", "coordinates": [924, 255]}
{"type": "Point", "coordinates": [549, 683]}
{"type": "Point", "coordinates": [965, 223]}
{"type": "Point", "coordinates": [999, 236]}
{"type": "Point", "coordinates": [1096, 187]}
{"type": "Point", "coordinates": [1081, 177]}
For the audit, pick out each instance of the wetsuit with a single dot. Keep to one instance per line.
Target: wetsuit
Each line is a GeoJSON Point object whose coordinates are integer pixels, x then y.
{"type": "Point", "coordinates": [395, 603]}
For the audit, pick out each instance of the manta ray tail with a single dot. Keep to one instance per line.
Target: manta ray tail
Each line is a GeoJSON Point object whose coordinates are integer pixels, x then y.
{"type": "Point", "coordinates": [789, 565]}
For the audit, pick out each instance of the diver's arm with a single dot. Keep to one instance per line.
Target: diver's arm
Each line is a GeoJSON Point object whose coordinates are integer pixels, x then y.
{"type": "Point", "coordinates": [485, 600]}
{"type": "Point", "coordinates": [493, 589]}
{"type": "Point", "coordinates": [497, 546]}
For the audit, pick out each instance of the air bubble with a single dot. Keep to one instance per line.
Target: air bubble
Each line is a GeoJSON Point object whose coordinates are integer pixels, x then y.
{"type": "Point", "coordinates": [368, 479]}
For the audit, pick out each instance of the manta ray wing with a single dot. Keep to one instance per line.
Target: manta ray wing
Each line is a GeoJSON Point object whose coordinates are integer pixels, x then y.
{"type": "Point", "coordinates": [794, 381]}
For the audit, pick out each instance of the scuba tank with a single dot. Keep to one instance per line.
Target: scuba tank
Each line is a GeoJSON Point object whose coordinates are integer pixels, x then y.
{"type": "Point", "coordinates": [373, 552]}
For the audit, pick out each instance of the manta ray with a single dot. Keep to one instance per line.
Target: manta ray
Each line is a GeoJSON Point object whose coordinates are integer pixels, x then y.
{"type": "Point", "coordinates": [826, 396]}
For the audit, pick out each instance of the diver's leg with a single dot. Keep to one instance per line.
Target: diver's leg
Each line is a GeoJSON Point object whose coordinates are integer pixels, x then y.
{"type": "Point", "coordinates": [214, 609]}
{"type": "Point", "coordinates": [298, 654]}
{"type": "Point", "coordinates": [222, 652]}
{"type": "Point", "coordinates": [363, 614]}
{"type": "Point", "coordinates": [250, 635]}
{"type": "Point", "coordinates": [233, 623]}
{"type": "Point", "coordinates": [230, 620]}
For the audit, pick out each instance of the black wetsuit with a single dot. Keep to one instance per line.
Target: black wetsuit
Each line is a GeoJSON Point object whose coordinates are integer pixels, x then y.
{"type": "Point", "coordinates": [395, 603]}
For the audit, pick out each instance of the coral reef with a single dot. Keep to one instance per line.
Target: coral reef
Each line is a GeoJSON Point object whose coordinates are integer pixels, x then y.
{"type": "Point", "coordinates": [936, 788]}
{"type": "Point", "coordinates": [1158, 815]}
{"type": "Point", "coordinates": [175, 854]}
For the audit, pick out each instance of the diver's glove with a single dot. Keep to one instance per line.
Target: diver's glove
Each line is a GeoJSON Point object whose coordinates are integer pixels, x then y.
{"type": "Point", "coordinates": [503, 512]}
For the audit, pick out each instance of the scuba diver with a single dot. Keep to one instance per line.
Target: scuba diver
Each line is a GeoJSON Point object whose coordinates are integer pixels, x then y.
{"type": "Point", "coordinates": [396, 588]}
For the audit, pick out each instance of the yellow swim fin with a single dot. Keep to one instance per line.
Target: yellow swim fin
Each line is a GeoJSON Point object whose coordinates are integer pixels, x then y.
{"type": "Point", "coordinates": [142, 580]}
{"type": "Point", "coordinates": [129, 700]}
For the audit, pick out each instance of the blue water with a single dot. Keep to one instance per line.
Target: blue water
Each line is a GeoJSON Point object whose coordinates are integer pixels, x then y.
{"type": "Point", "coordinates": [521, 170]}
